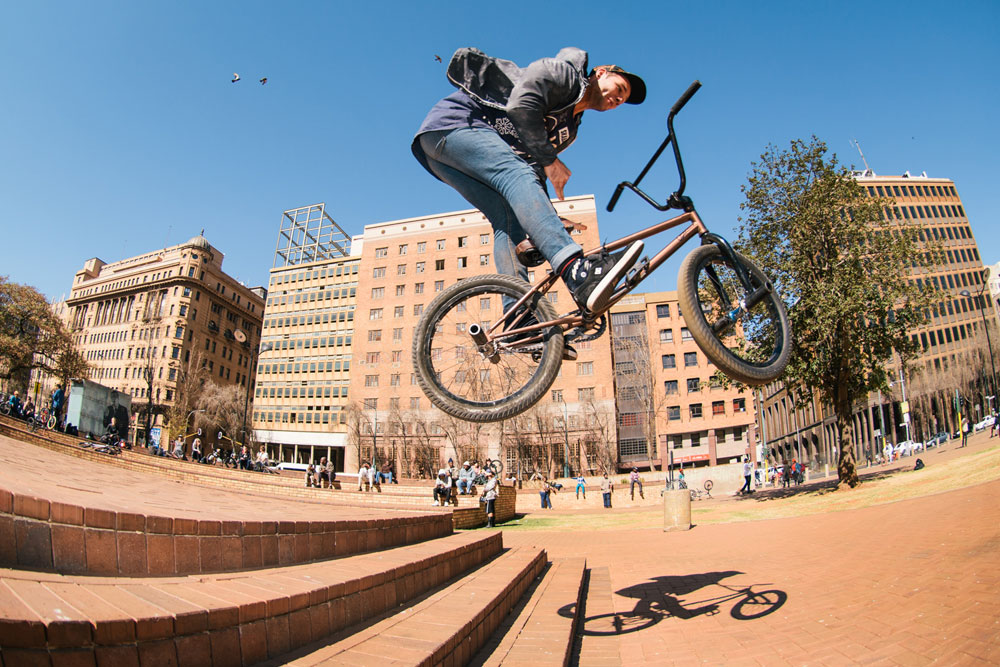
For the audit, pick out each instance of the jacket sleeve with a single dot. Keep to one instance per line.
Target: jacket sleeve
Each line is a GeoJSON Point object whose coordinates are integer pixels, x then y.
{"type": "Point", "coordinates": [547, 84]}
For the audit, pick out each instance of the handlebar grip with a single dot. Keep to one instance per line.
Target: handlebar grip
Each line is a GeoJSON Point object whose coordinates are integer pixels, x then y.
{"type": "Point", "coordinates": [679, 104]}
{"type": "Point", "coordinates": [615, 196]}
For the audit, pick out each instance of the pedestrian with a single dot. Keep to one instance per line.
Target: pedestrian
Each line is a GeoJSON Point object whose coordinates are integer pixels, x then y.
{"type": "Point", "coordinates": [581, 487]}
{"type": "Point", "coordinates": [496, 141]}
{"type": "Point", "coordinates": [746, 476]}
{"type": "Point", "coordinates": [633, 479]}
{"type": "Point", "coordinates": [490, 497]}
{"type": "Point", "coordinates": [785, 474]}
{"type": "Point", "coordinates": [606, 488]}
{"type": "Point", "coordinates": [364, 482]}
{"type": "Point", "coordinates": [965, 432]}
{"type": "Point", "coordinates": [546, 494]}
{"type": "Point", "coordinates": [374, 478]}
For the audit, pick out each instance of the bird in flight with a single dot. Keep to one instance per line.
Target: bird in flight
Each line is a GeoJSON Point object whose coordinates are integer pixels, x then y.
{"type": "Point", "coordinates": [236, 77]}
{"type": "Point", "coordinates": [437, 58]}
{"type": "Point", "coordinates": [263, 81]}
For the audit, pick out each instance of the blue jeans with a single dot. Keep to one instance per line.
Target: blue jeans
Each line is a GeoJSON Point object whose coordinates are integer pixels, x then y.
{"type": "Point", "coordinates": [546, 501]}
{"type": "Point", "coordinates": [464, 485]}
{"type": "Point", "coordinates": [490, 175]}
{"type": "Point", "coordinates": [607, 499]}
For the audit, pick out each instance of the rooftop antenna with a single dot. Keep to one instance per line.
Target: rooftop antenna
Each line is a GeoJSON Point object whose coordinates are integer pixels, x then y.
{"type": "Point", "coordinates": [858, 146]}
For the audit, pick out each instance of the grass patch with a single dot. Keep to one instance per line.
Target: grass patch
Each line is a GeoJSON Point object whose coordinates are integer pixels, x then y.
{"type": "Point", "coordinates": [940, 475]}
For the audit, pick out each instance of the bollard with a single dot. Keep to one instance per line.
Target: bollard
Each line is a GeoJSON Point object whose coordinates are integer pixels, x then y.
{"type": "Point", "coordinates": [676, 510]}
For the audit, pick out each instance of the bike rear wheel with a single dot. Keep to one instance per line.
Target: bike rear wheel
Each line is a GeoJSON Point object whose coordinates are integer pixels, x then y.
{"type": "Point", "coordinates": [494, 381]}
{"type": "Point", "coordinates": [749, 341]}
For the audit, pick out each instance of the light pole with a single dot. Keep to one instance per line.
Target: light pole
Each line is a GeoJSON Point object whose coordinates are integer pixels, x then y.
{"type": "Point", "coordinates": [241, 337]}
{"type": "Point", "coordinates": [566, 444]}
{"type": "Point", "coordinates": [986, 328]}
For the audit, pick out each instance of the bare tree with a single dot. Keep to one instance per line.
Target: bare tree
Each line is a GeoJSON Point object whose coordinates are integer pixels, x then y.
{"type": "Point", "coordinates": [599, 438]}
{"type": "Point", "coordinates": [191, 376]}
{"type": "Point", "coordinates": [223, 409]}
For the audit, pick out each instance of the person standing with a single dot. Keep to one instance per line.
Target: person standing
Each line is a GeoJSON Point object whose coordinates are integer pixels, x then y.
{"type": "Point", "coordinates": [965, 432]}
{"type": "Point", "coordinates": [746, 476]}
{"type": "Point", "coordinates": [633, 479]}
{"type": "Point", "coordinates": [581, 487]}
{"type": "Point", "coordinates": [490, 498]}
{"type": "Point", "coordinates": [606, 488]}
{"type": "Point", "coordinates": [546, 494]}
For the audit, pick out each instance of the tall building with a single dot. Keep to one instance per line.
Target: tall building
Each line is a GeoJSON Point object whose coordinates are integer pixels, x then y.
{"type": "Point", "coordinates": [953, 345]}
{"type": "Point", "coordinates": [404, 264]}
{"type": "Point", "coordinates": [299, 410]}
{"type": "Point", "coordinates": [672, 406]}
{"type": "Point", "coordinates": [138, 320]}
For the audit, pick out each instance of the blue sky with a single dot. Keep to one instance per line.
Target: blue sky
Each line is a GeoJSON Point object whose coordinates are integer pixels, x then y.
{"type": "Point", "coordinates": [120, 131]}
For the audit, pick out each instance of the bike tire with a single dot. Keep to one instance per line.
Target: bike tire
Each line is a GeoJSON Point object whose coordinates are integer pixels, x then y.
{"type": "Point", "coordinates": [497, 466]}
{"type": "Point", "coordinates": [461, 381]}
{"type": "Point", "coordinates": [757, 605]}
{"type": "Point", "coordinates": [764, 345]}
{"type": "Point", "coordinates": [51, 422]}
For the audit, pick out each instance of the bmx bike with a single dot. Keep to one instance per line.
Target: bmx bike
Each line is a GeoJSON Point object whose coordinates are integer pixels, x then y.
{"type": "Point", "coordinates": [489, 347]}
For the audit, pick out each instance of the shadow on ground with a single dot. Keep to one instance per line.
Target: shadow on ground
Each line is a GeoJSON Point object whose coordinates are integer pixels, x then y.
{"type": "Point", "coordinates": [682, 597]}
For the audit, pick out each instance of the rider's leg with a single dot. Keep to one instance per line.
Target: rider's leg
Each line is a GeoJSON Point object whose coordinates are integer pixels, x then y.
{"type": "Point", "coordinates": [489, 174]}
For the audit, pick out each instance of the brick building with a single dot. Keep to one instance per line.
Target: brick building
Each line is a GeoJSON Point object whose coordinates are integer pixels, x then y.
{"type": "Point", "coordinates": [155, 312]}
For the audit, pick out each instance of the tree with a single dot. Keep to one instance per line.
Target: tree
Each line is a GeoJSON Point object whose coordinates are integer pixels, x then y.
{"type": "Point", "coordinates": [191, 377]}
{"type": "Point", "coordinates": [223, 409]}
{"type": "Point", "coordinates": [33, 337]}
{"type": "Point", "coordinates": [843, 265]}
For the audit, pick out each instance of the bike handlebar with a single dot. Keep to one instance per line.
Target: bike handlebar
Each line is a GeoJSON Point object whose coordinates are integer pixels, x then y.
{"type": "Point", "coordinates": [688, 94]}
{"type": "Point", "coordinates": [676, 200]}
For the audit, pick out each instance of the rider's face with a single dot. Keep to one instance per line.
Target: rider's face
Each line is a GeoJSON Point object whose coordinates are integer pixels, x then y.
{"type": "Point", "coordinates": [610, 91]}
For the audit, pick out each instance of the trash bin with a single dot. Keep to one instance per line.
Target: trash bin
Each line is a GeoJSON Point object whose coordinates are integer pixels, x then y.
{"type": "Point", "coordinates": [676, 510]}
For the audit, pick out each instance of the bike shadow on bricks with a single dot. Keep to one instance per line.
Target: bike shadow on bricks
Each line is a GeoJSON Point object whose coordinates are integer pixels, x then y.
{"type": "Point", "coordinates": [683, 597]}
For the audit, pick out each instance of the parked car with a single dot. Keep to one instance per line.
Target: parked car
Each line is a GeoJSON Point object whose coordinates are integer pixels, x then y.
{"type": "Point", "coordinates": [984, 424]}
{"type": "Point", "coordinates": [936, 439]}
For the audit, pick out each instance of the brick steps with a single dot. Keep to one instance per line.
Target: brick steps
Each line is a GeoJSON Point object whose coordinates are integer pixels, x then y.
{"type": "Point", "coordinates": [235, 618]}
{"type": "Point", "coordinates": [408, 496]}
{"type": "Point", "coordinates": [597, 641]}
{"type": "Point", "coordinates": [447, 627]}
{"type": "Point", "coordinates": [543, 632]}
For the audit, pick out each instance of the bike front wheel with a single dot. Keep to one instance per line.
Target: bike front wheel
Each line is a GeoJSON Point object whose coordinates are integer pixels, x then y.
{"type": "Point", "coordinates": [495, 380]}
{"type": "Point", "coordinates": [744, 332]}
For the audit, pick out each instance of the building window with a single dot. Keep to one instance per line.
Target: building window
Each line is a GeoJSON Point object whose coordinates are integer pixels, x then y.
{"type": "Point", "coordinates": [402, 249]}
{"type": "Point", "coordinates": [484, 239]}
{"type": "Point", "coordinates": [422, 247]}
{"type": "Point", "coordinates": [397, 334]}
{"type": "Point", "coordinates": [628, 419]}
{"type": "Point", "coordinates": [371, 404]}
{"type": "Point", "coordinates": [373, 357]}
{"type": "Point", "coordinates": [693, 385]}
{"type": "Point", "coordinates": [420, 267]}
{"type": "Point", "coordinates": [401, 269]}
{"type": "Point", "coordinates": [670, 387]}
{"type": "Point", "coordinates": [685, 334]}
{"type": "Point", "coordinates": [375, 314]}
{"type": "Point", "coordinates": [440, 244]}
{"type": "Point", "coordinates": [585, 394]}
{"type": "Point", "coordinates": [378, 292]}
{"type": "Point", "coordinates": [400, 290]}
{"type": "Point", "coordinates": [662, 310]}
{"type": "Point", "coordinates": [695, 410]}
{"type": "Point", "coordinates": [418, 308]}
{"type": "Point", "coordinates": [666, 335]}
{"type": "Point", "coordinates": [371, 381]}
{"type": "Point", "coordinates": [439, 265]}
{"type": "Point", "coordinates": [397, 311]}
{"type": "Point", "coordinates": [585, 368]}
{"type": "Point", "coordinates": [418, 288]}
{"type": "Point", "coordinates": [438, 285]}
{"type": "Point", "coordinates": [484, 260]}
{"type": "Point", "coordinates": [718, 407]}
{"type": "Point", "coordinates": [463, 241]}
{"type": "Point", "coordinates": [394, 380]}
{"type": "Point", "coordinates": [690, 359]}
{"type": "Point", "coordinates": [668, 361]}
{"type": "Point", "coordinates": [381, 252]}
{"type": "Point", "coordinates": [463, 262]}
{"type": "Point", "coordinates": [557, 396]}
{"type": "Point", "coordinates": [739, 405]}
{"type": "Point", "coordinates": [378, 272]}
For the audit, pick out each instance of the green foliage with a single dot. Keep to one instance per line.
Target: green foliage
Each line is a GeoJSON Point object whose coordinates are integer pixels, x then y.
{"type": "Point", "coordinates": [32, 336]}
{"type": "Point", "coordinates": [843, 268]}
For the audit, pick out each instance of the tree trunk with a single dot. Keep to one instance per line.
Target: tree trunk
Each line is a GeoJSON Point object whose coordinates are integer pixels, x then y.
{"type": "Point", "coordinates": [847, 471]}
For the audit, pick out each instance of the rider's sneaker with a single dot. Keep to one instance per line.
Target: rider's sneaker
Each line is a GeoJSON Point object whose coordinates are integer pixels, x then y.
{"type": "Point", "coordinates": [591, 280]}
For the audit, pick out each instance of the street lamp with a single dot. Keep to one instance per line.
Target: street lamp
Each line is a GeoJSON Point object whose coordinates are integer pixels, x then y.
{"type": "Point", "coordinates": [241, 337]}
{"type": "Point", "coordinates": [986, 328]}
{"type": "Point", "coordinates": [566, 444]}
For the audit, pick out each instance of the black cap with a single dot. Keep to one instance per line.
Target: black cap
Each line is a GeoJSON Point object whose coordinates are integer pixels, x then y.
{"type": "Point", "coordinates": [637, 85]}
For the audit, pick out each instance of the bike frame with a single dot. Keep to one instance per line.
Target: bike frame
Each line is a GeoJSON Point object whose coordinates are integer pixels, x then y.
{"type": "Point", "coordinates": [677, 200]}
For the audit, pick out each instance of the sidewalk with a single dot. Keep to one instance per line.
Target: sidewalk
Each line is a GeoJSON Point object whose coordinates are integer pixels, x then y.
{"type": "Point", "coordinates": [907, 582]}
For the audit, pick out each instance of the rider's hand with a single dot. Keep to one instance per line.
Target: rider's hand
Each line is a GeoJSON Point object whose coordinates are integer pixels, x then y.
{"type": "Point", "coordinates": [558, 174]}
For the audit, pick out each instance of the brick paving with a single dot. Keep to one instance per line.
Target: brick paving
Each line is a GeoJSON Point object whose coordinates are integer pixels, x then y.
{"type": "Point", "coordinates": [909, 582]}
